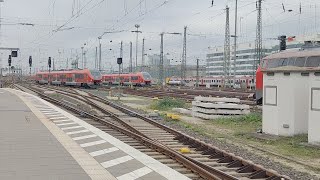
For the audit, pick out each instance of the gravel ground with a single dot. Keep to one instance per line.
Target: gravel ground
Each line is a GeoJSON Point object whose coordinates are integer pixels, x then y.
{"type": "Point", "coordinates": [239, 151]}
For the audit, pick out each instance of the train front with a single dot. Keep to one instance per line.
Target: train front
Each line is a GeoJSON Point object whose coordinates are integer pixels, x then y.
{"type": "Point", "coordinates": [146, 78]}
{"type": "Point", "coordinates": [96, 77]}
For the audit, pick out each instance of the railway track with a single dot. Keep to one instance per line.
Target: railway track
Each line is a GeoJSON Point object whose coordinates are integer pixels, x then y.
{"type": "Point", "coordinates": [162, 143]}
{"type": "Point", "coordinates": [190, 94]}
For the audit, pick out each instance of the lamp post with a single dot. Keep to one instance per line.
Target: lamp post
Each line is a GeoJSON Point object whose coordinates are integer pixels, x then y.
{"type": "Point", "coordinates": [137, 43]}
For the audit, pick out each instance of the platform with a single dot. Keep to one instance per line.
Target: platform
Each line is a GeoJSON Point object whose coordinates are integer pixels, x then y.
{"type": "Point", "coordinates": [42, 141]}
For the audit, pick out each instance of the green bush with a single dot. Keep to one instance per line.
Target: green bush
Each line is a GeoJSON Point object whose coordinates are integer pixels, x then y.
{"type": "Point", "coordinates": [167, 104]}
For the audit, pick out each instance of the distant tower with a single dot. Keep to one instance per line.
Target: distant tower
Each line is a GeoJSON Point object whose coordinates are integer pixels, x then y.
{"type": "Point", "coordinates": [226, 66]}
{"type": "Point", "coordinates": [184, 56]}
{"type": "Point", "coordinates": [258, 47]}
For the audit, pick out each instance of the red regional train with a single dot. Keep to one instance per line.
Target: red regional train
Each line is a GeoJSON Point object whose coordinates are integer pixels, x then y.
{"type": "Point", "coordinates": [80, 78]}
{"type": "Point", "coordinates": [136, 79]}
{"type": "Point", "coordinates": [307, 56]}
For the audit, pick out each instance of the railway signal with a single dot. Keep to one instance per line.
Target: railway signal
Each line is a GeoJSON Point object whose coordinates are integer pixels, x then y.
{"type": "Point", "coordinates": [9, 60]}
{"type": "Point", "coordinates": [49, 62]}
{"type": "Point", "coordinates": [30, 64]}
{"type": "Point", "coordinates": [119, 62]}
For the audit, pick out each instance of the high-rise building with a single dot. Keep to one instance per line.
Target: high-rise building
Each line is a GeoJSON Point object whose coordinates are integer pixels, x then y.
{"type": "Point", "coordinates": [246, 56]}
{"type": "Point", "coordinates": [244, 64]}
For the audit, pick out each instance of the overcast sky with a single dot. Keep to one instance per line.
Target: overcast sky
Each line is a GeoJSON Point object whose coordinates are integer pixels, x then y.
{"type": "Point", "coordinates": [66, 25]}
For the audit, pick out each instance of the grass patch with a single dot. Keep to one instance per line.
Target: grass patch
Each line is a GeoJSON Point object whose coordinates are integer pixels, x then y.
{"type": "Point", "coordinates": [292, 146]}
{"type": "Point", "coordinates": [167, 104]}
{"type": "Point", "coordinates": [240, 124]}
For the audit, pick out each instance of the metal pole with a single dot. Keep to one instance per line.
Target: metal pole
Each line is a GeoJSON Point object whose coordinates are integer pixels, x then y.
{"type": "Point", "coordinates": [137, 43]}
{"type": "Point", "coordinates": [161, 75]}
{"type": "Point", "coordinates": [227, 49]}
{"type": "Point", "coordinates": [119, 82]}
{"type": "Point", "coordinates": [235, 44]}
{"type": "Point", "coordinates": [258, 38]}
{"type": "Point", "coordinates": [67, 67]}
{"type": "Point", "coordinates": [53, 68]}
{"type": "Point", "coordinates": [121, 53]}
{"type": "Point", "coordinates": [100, 54]}
{"type": "Point", "coordinates": [142, 62]}
{"type": "Point", "coordinates": [85, 59]}
{"type": "Point", "coordinates": [82, 57]}
{"type": "Point", "coordinates": [96, 59]}
{"type": "Point", "coordinates": [197, 80]}
{"type": "Point", "coordinates": [184, 55]}
{"type": "Point", "coordinates": [130, 65]}
{"type": "Point", "coordinates": [0, 22]}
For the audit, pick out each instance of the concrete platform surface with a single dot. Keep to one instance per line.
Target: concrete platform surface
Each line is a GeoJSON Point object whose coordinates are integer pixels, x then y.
{"type": "Point", "coordinates": [42, 141]}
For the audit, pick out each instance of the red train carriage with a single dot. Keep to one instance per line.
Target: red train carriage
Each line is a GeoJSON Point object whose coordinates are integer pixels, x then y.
{"type": "Point", "coordinates": [136, 79]}
{"type": "Point", "coordinates": [307, 56]}
{"type": "Point", "coordinates": [82, 78]}
{"type": "Point", "coordinates": [214, 81]}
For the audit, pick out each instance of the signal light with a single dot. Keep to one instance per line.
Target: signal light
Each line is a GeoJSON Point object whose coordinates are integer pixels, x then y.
{"type": "Point", "coordinates": [14, 53]}
{"type": "Point", "coordinates": [30, 61]}
{"type": "Point", "coordinates": [9, 60]}
{"type": "Point", "coordinates": [49, 62]}
{"type": "Point", "coordinates": [119, 61]}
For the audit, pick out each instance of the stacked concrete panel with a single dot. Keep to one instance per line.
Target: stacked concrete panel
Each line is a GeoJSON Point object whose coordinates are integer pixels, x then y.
{"type": "Point", "coordinates": [211, 107]}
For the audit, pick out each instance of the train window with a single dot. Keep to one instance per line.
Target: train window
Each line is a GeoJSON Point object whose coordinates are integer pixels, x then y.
{"type": "Point", "coordinates": [79, 76]}
{"type": "Point", "coordinates": [273, 63]}
{"type": "Point", "coordinates": [283, 62]}
{"type": "Point", "coordinates": [305, 74]}
{"type": "Point", "coordinates": [146, 75]}
{"type": "Point", "coordinates": [134, 78]}
{"type": "Point", "coordinates": [317, 73]}
{"type": "Point", "coordinates": [252, 80]}
{"type": "Point", "coordinates": [313, 61]}
{"type": "Point", "coordinates": [286, 74]}
{"type": "Point", "coordinates": [40, 76]}
{"type": "Point", "coordinates": [291, 61]}
{"type": "Point", "coordinates": [300, 61]}
{"type": "Point", "coordinates": [264, 63]}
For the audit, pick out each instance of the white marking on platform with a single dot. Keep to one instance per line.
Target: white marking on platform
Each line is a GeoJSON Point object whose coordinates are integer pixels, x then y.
{"type": "Point", "coordinates": [56, 118]}
{"type": "Point", "coordinates": [54, 115]}
{"type": "Point", "coordinates": [135, 174]}
{"type": "Point", "coordinates": [77, 132]}
{"type": "Point", "coordinates": [93, 143]}
{"type": "Point", "coordinates": [105, 151]}
{"type": "Point", "coordinates": [73, 127]}
{"type": "Point", "coordinates": [51, 113]}
{"type": "Point", "coordinates": [58, 121]}
{"type": "Point", "coordinates": [117, 161]}
{"type": "Point", "coordinates": [63, 124]}
{"type": "Point", "coordinates": [84, 137]}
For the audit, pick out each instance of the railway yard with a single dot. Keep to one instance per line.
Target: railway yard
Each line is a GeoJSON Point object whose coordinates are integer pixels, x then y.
{"type": "Point", "coordinates": [224, 148]}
